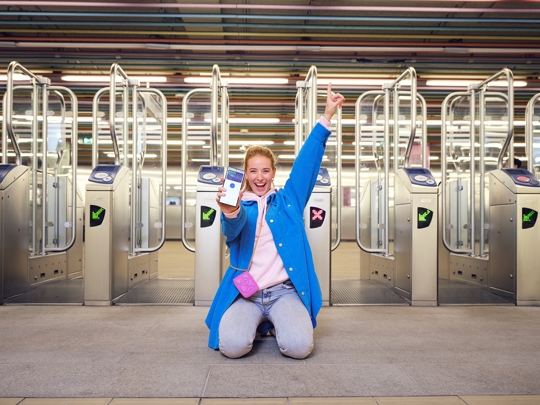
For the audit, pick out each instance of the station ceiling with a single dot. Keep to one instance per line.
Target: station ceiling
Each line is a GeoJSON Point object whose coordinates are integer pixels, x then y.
{"type": "Point", "coordinates": [356, 39]}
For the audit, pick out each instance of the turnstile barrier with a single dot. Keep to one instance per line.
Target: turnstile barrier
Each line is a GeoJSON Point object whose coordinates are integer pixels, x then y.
{"type": "Point", "coordinates": [514, 235]}
{"type": "Point", "coordinates": [14, 227]}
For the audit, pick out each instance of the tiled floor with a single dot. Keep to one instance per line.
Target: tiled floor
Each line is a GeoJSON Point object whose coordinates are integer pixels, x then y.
{"type": "Point", "coordinates": [372, 355]}
{"type": "Point", "coordinates": [486, 355]}
{"type": "Point", "coordinates": [440, 400]}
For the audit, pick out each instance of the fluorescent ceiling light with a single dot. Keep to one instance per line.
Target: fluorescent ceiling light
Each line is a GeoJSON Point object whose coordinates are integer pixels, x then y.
{"type": "Point", "coordinates": [239, 80]}
{"type": "Point", "coordinates": [253, 120]}
{"type": "Point", "coordinates": [467, 83]}
{"type": "Point", "coordinates": [291, 157]}
{"type": "Point", "coordinates": [194, 143]}
{"type": "Point", "coordinates": [249, 120]}
{"type": "Point", "coordinates": [16, 76]}
{"type": "Point", "coordinates": [130, 156]}
{"type": "Point", "coordinates": [249, 142]}
{"type": "Point", "coordinates": [356, 82]}
{"type": "Point", "coordinates": [85, 119]}
{"type": "Point", "coordinates": [237, 155]}
{"type": "Point", "coordinates": [107, 78]}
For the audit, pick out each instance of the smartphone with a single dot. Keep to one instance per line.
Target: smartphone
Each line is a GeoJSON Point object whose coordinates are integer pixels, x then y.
{"type": "Point", "coordinates": [233, 184]}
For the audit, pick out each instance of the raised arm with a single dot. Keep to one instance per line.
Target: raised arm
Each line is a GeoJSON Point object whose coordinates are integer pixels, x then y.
{"type": "Point", "coordinates": [306, 165]}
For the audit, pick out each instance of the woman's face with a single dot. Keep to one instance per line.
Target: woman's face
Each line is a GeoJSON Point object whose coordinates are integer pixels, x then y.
{"type": "Point", "coordinates": [259, 174]}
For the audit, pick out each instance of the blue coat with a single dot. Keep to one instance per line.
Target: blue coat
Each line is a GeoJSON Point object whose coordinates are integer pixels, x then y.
{"type": "Point", "coordinates": [285, 218]}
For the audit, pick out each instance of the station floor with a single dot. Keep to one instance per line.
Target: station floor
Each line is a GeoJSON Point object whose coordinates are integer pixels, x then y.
{"type": "Point", "coordinates": [364, 355]}
{"type": "Point", "coordinates": [393, 355]}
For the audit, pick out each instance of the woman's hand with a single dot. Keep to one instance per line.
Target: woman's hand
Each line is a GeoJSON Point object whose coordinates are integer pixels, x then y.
{"type": "Point", "coordinates": [333, 102]}
{"type": "Point", "coordinates": [227, 209]}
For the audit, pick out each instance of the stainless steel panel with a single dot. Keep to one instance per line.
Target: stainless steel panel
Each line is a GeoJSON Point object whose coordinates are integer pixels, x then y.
{"type": "Point", "coordinates": [403, 249]}
{"type": "Point", "coordinates": [469, 269]}
{"type": "Point", "coordinates": [499, 191]}
{"type": "Point", "coordinates": [209, 250]}
{"type": "Point", "coordinates": [528, 254]}
{"type": "Point", "coordinates": [14, 229]}
{"type": "Point", "coordinates": [319, 239]}
{"type": "Point", "coordinates": [106, 245]}
{"type": "Point", "coordinates": [120, 237]}
{"type": "Point", "coordinates": [97, 250]}
{"type": "Point", "coordinates": [138, 269]}
{"type": "Point", "coordinates": [424, 252]}
{"type": "Point", "coordinates": [50, 267]}
{"type": "Point", "coordinates": [75, 253]}
{"type": "Point", "coordinates": [443, 253]}
{"type": "Point", "coordinates": [382, 269]}
{"type": "Point", "coordinates": [502, 235]}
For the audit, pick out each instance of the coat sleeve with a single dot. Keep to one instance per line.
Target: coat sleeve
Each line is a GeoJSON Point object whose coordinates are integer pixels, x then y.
{"type": "Point", "coordinates": [306, 167]}
{"type": "Point", "coordinates": [231, 227]}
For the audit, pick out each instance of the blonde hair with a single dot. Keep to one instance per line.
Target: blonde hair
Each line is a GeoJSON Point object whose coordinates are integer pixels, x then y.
{"type": "Point", "coordinates": [257, 150]}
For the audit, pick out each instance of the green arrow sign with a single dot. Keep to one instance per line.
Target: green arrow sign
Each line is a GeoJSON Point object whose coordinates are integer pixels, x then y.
{"type": "Point", "coordinates": [207, 216]}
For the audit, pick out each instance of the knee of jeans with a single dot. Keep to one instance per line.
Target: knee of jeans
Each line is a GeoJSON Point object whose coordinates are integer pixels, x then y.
{"type": "Point", "coordinates": [234, 348]}
{"type": "Point", "coordinates": [297, 348]}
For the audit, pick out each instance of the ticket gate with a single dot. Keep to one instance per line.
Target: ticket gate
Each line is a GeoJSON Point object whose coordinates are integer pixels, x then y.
{"type": "Point", "coordinates": [40, 121]}
{"type": "Point", "coordinates": [107, 234]}
{"type": "Point", "coordinates": [317, 222]}
{"type": "Point", "coordinates": [415, 236]}
{"type": "Point", "coordinates": [14, 227]}
{"type": "Point", "coordinates": [514, 235]}
{"type": "Point", "coordinates": [397, 201]}
{"type": "Point", "coordinates": [210, 260]}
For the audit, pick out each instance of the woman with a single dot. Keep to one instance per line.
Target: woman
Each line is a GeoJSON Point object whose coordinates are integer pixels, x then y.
{"type": "Point", "coordinates": [265, 234]}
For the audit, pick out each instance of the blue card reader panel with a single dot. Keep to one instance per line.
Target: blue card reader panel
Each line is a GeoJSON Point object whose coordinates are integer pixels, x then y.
{"type": "Point", "coordinates": [210, 174]}
{"type": "Point", "coordinates": [104, 174]}
{"type": "Point", "coordinates": [522, 177]}
{"type": "Point", "coordinates": [420, 176]}
{"type": "Point", "coordinates": [5, 169]}
{"type": "Point", "coordinates": [323, 178]}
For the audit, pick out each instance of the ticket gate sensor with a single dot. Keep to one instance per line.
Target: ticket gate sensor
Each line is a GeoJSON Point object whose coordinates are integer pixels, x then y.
{"type": "Point", "coordinates": [415, 236]}
{"type": "Point", "coordinates": [513, 236]}
{"type": "Point", "coordinates": [107, 234]}
{"type": "Point", "coordinates": [14, 229]}
{"type": "Point", "coordinates": [317, 222]}
{"type": "Point", "coordinates": [210, 260]}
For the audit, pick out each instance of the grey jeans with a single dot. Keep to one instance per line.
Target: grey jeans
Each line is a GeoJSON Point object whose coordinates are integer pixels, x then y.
{"type": "Point", "coordinates": [279, 304]}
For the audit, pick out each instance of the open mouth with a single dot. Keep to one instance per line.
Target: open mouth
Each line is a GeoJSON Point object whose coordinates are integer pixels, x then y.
{"type": "Point", "coordinates": [260, 186]}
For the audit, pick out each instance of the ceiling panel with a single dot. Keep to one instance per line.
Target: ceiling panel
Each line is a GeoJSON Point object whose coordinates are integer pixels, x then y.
{"type": "Point", "coordinates": [345, 39]}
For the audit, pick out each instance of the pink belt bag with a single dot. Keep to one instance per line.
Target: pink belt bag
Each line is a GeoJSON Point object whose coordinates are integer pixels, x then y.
{"type": "Point", "coordinates": [246, 284]}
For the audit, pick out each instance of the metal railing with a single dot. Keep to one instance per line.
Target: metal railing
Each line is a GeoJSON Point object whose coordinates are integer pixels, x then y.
{"type": "Point", "coordinates": [218, 91]}
{"type": "Point", "coordinates": [386, 96]}
{"type": "Point", "coordinates": [449, 104]}
{"type": "Point", "coordinates": [43, 84]}
{"type": "Point", "coordinates": [132, 94]}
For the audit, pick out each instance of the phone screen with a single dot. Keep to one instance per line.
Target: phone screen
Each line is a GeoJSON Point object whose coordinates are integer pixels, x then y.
{"type": "Point", "coordinates": [233, 184]}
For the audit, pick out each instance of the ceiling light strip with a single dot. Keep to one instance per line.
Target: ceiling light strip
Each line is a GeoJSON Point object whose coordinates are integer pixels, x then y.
{"type": "Point", "coordinates": [310, 8]}
{"type": "Point", "coordinates": [270, 34]}
{"type": "Point", "coordinates": [337, 49]}
{"type": "Point", "coordinates": [310, 17]}
{"type": "Point", "coordinates": [269, 25]}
